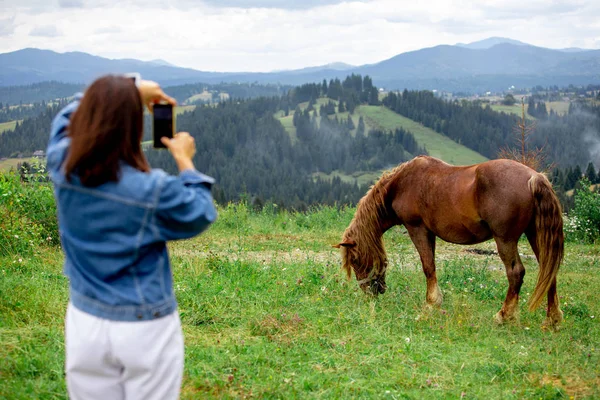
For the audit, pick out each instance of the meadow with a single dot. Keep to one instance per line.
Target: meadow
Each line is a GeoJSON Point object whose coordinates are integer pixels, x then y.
{"type": "Point", "coordinates": [7, 126]}
{"type": "Point", "coordinates": [437, 145]}
{"type": "Point", "coordinates": [267, 313]}
{"type": "Point", "coordinates": [12, 163]}
{"type": "Point", "coordinates": [380, 117]}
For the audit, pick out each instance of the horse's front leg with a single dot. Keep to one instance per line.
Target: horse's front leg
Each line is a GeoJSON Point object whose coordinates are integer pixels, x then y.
{"type": "Point", "coordinates": [424, 241]}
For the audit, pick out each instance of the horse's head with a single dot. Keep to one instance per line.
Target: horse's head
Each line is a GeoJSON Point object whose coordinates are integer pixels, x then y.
{"type": "Point", "coordinates": [369, 270]}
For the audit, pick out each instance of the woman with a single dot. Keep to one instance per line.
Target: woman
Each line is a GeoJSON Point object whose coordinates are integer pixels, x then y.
{"type": "Point", "coordinates": [123, 335]}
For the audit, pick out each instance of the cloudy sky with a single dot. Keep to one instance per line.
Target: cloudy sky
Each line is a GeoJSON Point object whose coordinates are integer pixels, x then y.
{"type": "Point", "coordinates": [266, 35]}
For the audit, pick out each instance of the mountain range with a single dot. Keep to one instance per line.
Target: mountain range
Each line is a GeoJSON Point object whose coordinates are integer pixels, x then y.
{"type": "Point", "coordinates": [493, 64]}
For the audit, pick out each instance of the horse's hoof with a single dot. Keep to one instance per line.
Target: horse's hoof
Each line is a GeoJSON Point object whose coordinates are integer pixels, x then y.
{"type": "Point", "coordinates": [498, 318]}
{"type": "Point", "coordinates": [553, 320]}
{"type": "Point", "coordinates": [551, 324]}
{"type": "Point", "coordinates": [502, 318]}
{"type": "Point", "coordinates": [436, 300]}
{"type": "Point", "coordinates": [433, 304]}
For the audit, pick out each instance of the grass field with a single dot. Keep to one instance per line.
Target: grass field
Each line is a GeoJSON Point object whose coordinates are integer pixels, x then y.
{"type": "Point", "coordinates": [514, 109]}
{"type": "Point", "coordinates": [436, 144]}
{"type": "Point", "coordinates": [559, 107]}
{"type": "Point", "coordinates": [11, 163]}
{"type": "Point", "coordinates": [7, 126]}
{"type": "Point", "coordinates": [361, 178]}
{"type": "Point", "coordinates": [182, 109]}
{"type": "Point", "coordinates": [288, 124]}
{"type": "Point", "coordinates": [379, 117]}
{"type": "Point", "coordinates": [204, 96]}
{"type": "Point", "coordinates": [268, 314]}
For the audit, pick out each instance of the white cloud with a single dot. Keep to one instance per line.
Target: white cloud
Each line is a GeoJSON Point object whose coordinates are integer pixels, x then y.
{"type": "Point", "coordinates": [7, 26]}
{"type": "Point", "coordinates": [263, 35]}
{"type": "Point", "coordinates": [45, 31]}
{"type": "Point", "coordinates": [70, 3]}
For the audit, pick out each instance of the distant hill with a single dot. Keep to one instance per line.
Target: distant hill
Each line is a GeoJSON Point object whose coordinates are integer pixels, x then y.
{"type": "Point", "coordinates": [492, 64]}
{"type": "Point", "coordinates": [457, 68]}
{"type": "Point", "coordinates": [490, 42]}
{"type": "Point", "coordinates": [34, 65]}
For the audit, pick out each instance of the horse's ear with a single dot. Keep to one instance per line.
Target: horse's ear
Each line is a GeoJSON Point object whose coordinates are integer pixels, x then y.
{"type": "Point", "coordinates": [346, 243]}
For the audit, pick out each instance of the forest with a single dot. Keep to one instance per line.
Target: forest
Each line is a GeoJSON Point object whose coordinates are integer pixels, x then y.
{"type": "Point", "coordinates": [242, 143]}
{"type": "Point", "coordinates": [566, 139]}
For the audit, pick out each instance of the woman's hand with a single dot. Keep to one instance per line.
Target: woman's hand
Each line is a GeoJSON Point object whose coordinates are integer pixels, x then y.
{"type": "Point", "coordinates": [151, 93]}
{"type": "Point", "coordinates": [183, 148]}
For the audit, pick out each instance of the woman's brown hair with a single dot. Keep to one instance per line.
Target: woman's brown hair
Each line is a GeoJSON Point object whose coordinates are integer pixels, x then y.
{"type": "Point", "coordinates": [106, 129]}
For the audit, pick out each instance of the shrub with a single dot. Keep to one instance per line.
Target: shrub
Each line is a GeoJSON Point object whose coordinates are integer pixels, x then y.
{"type": "Point", "coordinates": [583, 221]}
{"type": "Point", "coordinates": [27, 214]}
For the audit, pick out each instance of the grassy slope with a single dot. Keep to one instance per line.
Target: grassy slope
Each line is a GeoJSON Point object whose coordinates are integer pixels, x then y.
{"type": "Point", "coordinates": [514, 109]}
{"type": "Point", "coordinates": [204, 96]}
{"type": "Point", "coordinates": [182, 109]}
{"type": "Point", "coordinates": [11, 163]}
{"type": "Point", "coordinates": [376, 117]}
{"type": "Point", "coordinates": [267, 313]}
{"type": "Point", "coordinates": [379, 117]}
{"type": "Point", "coordinates": [559, 107]}
{"type": "Point", "coordinates": [7, 126]}
{"type": "Point", "coordinates": [436, 144]}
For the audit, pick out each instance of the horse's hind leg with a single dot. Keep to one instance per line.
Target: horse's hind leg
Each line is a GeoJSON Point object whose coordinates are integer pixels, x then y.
{"type": "Point", "coordinates": [424, 241]}
{"type": "Point", "coordinates": [508, 251]}
{"type": "Point", "coordinates": [554, 315]}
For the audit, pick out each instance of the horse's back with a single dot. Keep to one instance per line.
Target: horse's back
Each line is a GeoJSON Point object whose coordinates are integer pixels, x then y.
{"type": "Point", "coordinates": [504, 199]}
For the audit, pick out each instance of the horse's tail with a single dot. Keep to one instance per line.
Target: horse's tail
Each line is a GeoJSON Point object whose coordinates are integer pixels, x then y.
{"type": "Point", "coordinates": [549, 235]}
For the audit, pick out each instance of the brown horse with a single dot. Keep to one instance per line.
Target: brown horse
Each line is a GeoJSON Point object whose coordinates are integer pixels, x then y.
{"type": "Point", "coordinates": [500, 199]}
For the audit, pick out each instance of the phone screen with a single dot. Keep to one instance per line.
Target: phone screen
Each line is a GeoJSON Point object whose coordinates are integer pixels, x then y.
{"type": "Point", "coordinates": [163, 124]}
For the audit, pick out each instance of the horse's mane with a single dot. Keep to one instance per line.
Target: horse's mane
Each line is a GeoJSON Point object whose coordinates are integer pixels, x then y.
{"type": "Point", "coordinates": [365, 228]}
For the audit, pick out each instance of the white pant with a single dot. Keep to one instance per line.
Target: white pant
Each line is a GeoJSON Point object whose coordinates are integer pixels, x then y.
{"type": "Point", "coordinates": [114, 360]}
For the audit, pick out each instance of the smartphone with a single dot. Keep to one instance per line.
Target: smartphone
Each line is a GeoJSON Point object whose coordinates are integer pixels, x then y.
{"type": "Point", "coordinates": [163, 123]}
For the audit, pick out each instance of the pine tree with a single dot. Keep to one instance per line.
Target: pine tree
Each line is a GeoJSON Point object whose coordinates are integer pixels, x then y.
{"type": "Point", "coordinates": [360, 131]}
{"type": "Point", "coordinates": [531, 110]}
{"type": "Point", "coordinates": [541, 111]}
{"type": "Point", "coordinates": [590, 173]}
{"type": "Point", "coordinates": [350, 123]}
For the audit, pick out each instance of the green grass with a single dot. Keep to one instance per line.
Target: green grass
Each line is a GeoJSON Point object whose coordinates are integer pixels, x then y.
{"type": "Point", "coordinates": [11, 163]}
{"type": "Point", "coordinates": [361, 178]}
{"type": "Point", "coordinates": [559, 107]}
{"type": "Point", "coordinates": [204, 96]}
{"type": "Point", "coordinates": [436, 144]}
{"type": "Point", "coordinates": [288, 124]}
{"type": "Point", "coordinates": [515, 109]}
{"type": "Point", "coordinates": [8, 126]}
{"type": "Point", "coordinates": [182, 109]}
{"type": "Point", "coordinates": [267, 313]}
{"type": "Point", "coordinates": [379, 117]}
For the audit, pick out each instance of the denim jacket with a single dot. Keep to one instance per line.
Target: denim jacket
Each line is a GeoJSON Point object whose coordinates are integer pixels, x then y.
{"type": "Point", "coordinates": [114, 235]}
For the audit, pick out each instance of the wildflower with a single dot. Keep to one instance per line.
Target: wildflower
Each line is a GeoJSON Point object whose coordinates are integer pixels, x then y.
{"type": "Point", "coordinates": [407, 340]}
{"type": "Point", "coordinates": [16, 236]}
